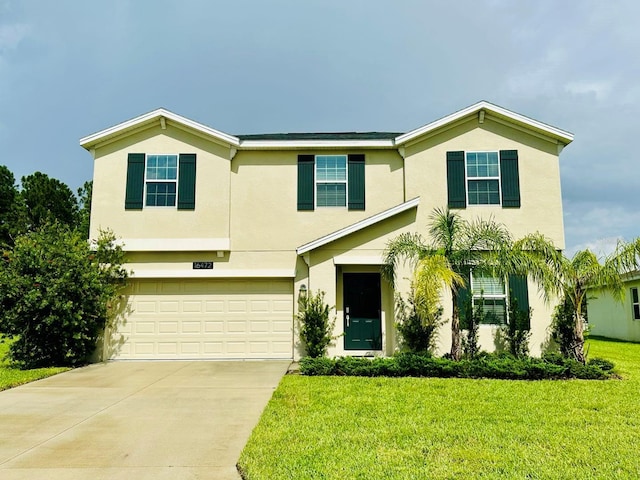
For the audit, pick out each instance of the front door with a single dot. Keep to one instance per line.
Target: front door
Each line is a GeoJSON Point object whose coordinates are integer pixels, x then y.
{"type": "Point", "coordinates": [362, 323]}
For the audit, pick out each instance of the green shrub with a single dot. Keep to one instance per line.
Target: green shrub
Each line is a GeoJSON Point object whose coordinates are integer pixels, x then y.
{"type": "Point", "coordinates": [602, 364]}
{"type": "Point", "coordinates": [57, 294]}
{"type": "Point", "coordinates": [498, 366]}
{"type": "Point", "coordinates": [317, 366]}
{"type": "Point", "coordinates": [316, 328]}
{"type": "Point", "coordinates": [418, 327]}
{"type": "Point", "coordinates": [473, 318]}
{"type": "Point", "coordinates": [516, 332]}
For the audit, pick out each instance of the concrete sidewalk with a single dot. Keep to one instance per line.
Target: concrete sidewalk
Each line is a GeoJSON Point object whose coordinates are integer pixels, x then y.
{"type": "Point", "coordinates": [135, 420]}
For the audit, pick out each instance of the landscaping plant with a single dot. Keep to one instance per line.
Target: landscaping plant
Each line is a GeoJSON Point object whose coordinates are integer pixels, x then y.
{"type": "Point", "coordinates": [516, 332]}
{"type": "Point", "coordinates": [316, 327]}
{"type": "Point", "coordinates": [418, 329]}
{"type": "Point", "coordinates": [461, 244]}
{"type": "Point", "coordinates": [58, 293]}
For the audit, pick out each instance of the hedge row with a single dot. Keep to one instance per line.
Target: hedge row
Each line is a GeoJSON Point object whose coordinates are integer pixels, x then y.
{"type": "Point", "coordinates": [501, 366]}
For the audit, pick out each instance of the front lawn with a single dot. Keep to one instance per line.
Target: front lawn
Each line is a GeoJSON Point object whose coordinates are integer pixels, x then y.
{"type": "Point", "coordinates": [407, 428]}
{"type": "Point", "coordinates": [12, 377]}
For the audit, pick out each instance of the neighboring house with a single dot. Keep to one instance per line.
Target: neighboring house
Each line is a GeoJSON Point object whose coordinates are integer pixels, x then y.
{"type": "Point", "coordinates": [613, 318]}
{"type": "Point", "coordinates": [224, 232]}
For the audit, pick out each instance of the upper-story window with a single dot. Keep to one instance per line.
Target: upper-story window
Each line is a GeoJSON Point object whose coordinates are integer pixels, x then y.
{"type": "Point", "coordinates": [483, 178]}
{"type": "Point", "coordinates": [331, 180]}
{"type": "Point", "coordinates": [161, 179]}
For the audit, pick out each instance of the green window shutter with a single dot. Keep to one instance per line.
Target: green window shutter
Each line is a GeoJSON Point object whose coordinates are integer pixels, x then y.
{"type": "Point", "coordinates": [456, 188]}
{"type": "Point", "coordinates": [464, 298]}
{"type": "Point", "coordinates": [510, 178]}
{"type": "Point", "coordinates": [135, 181]}
{"type": "Point", "coordinates": [518, 289]}
{"type": "Point", "coordinates": [306, 166]}
{"type": "Point", "coordinates": [356, 182]}
{"type": "Point", "coordinates": [187, 181]}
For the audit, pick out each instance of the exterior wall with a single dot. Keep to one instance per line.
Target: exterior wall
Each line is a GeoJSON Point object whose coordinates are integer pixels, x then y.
{"type": "Point", "coordinates": [210, 219]}
{"type": "Point", "coordinates": [264, 213]}
{"type": "Point", "coordinates": [541, 200]}
{"type": "Point", "coordinates": [611, 318]}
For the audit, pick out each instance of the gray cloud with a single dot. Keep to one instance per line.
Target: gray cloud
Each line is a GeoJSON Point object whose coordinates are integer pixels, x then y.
{"type": "Point", "coordinates": [70, 68]}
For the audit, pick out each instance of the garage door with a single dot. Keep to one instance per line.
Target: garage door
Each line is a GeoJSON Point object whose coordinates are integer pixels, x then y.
{"type": "Point", "coordinates": [233, 319]}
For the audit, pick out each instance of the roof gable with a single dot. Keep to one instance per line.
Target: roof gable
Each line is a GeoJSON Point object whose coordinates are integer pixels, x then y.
{"type": "Point", "coordinates": [481, 109]}
{"type": "Point", "coordinates": [159, 116]}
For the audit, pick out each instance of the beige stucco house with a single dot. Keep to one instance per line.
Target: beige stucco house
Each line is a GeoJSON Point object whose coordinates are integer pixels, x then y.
{"type": "Point", "coordinates": [223, 232]}
{"type": "Point", "coordinates": [612, 318]}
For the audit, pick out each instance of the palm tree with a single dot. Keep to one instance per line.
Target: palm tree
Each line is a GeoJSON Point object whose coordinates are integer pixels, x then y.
{"type": "Point", "coordinates": [585, 271]}
{"type": "Point", "coordinates": [482, 244]}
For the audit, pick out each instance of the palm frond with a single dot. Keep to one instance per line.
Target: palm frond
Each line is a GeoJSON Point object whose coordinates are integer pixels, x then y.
{"type": "Point", "coordinates": [405, 248]}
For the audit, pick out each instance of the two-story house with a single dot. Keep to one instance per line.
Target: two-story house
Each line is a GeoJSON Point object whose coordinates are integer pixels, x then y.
{"type": "Point", "coordinates": [224, 232]}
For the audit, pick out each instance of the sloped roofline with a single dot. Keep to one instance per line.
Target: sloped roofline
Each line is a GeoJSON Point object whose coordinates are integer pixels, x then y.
{"type": "Point", "coordinates": [556, 133]}
{"type": "Point", "coordinates": [148, 118]}
{"type": "Point", "coordinates": [263, 142]}
{"type": "Point", "coordinates": [367, 222]}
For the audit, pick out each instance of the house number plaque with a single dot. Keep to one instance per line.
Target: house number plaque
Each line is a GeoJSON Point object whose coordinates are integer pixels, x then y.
{"type": "Point", "coordinates": [203, 265]}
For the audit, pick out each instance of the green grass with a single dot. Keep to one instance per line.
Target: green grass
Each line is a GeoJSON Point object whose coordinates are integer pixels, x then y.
{"type": "Point", "coordinates": [408, 428]}
{"type": "Point", "coordinates": [12, 377]}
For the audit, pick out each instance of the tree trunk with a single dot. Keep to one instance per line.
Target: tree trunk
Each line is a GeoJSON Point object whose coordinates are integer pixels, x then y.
{"type": "Point", "coordinates": [577, 345]}
{"type": "Point", "coordinates": [456, 351]}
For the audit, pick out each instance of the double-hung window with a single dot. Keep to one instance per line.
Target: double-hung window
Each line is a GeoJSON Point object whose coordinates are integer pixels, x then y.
{"type": "Point", "coordinates": [165, 180]}
{"type": "Point", "coordinates": [331, 180]}
{"type": "Point", "coordinates": [483, 178]}
{"type": "Point", "coordinates": [635, 303]}
{"type": "Point", "coordinates": [161, 180]}
{"type": "Point", "coordinates": [489, 292]}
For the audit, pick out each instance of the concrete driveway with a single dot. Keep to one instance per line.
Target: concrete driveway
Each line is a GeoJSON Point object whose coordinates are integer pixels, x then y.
{"type": "Point", "coordinates": [135, 420]}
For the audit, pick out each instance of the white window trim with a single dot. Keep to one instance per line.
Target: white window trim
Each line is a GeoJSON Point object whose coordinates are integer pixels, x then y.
{"type": "Point", "coordinates": [504, 296]}
{"type": "Point", "coordinates": [634, 304]}
{"type": "Point", "coordinates": [146, 181]}
{"type": "Point", "coordinates": [467, 178]}
{"type": "Point", "coordinates": [316, 181]}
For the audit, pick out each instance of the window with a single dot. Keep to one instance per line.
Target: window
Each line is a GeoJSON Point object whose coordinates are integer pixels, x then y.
{"type": "Point", "coordinates": [161, 177]}
{"type": "Point", "coordinates": [161, 181]}
{"type": "Point", "coordinates": [483, 178]}
{"type": "Point", "coordinates": [490, 292]}
{"type": "Point", "coordinates": [331, 180]}
{"type": "Point", "coordinates": [635, 303]}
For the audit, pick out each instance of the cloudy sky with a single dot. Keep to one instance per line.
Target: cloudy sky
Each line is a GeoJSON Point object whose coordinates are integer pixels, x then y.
{"type": "Point", "coordinates": [69, 68]}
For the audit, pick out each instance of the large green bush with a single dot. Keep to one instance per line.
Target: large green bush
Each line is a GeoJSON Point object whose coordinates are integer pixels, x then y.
{"type": "Point", "coordinates": [316, 327]}
{"type": "Point", "coordinates": [57, 294]}
{"type": "Point", "coordinates": [500, 366]}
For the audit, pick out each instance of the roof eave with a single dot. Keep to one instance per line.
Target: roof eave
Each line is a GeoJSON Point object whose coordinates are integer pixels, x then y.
{"type": "Point", "coordinates": [90, 141]}
{"type": "Point", "coordinates": [304, 144]}
{"type": "Point", "coordinates": [367, 222]}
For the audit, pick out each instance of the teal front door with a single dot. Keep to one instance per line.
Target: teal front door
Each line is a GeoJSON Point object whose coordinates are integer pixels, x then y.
{"type": "Point", "coordinates": [362, 323]}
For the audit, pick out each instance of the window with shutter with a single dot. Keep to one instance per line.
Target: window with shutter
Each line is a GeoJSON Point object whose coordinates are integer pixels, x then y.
{"type": "Point", "coordinates": [161, 180]}
{"type": "Point", "coordinates": [483, 178]}
{"type": "Point", "coordinates": [331, 181]}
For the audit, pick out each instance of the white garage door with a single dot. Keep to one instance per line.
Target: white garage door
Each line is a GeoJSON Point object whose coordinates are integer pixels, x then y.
{"type": "Point", "coordinates": [182, 319]}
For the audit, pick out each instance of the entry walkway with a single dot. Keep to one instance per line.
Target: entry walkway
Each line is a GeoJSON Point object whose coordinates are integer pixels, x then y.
{"type": "Point", "coordinates": [142, 420]}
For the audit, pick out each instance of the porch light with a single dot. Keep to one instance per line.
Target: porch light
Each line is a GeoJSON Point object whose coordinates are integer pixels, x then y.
{"type": "Point", "coordinates": [303, 291]}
